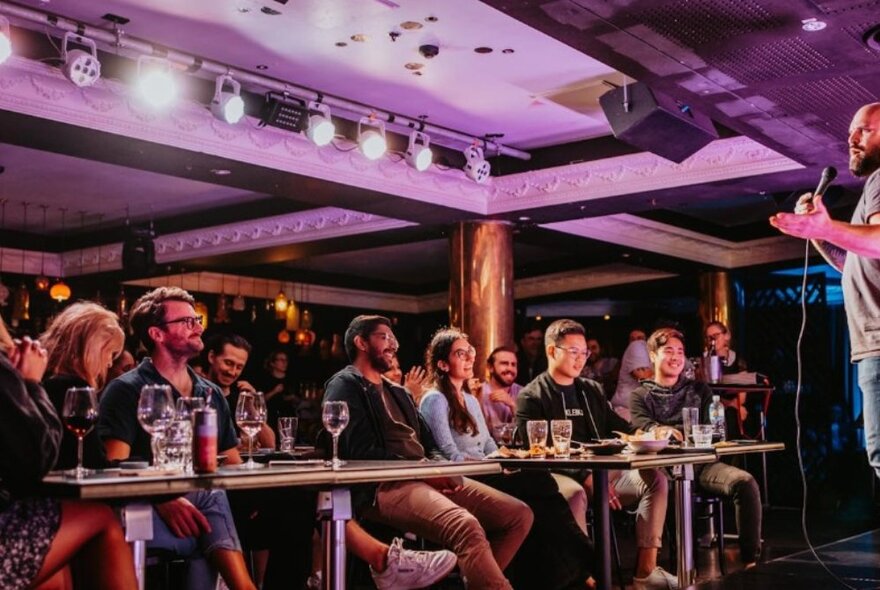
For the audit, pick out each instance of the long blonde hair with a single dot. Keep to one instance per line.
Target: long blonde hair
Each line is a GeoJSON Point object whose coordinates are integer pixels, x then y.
{"type": "Point", "coordinates": [78, 337]}
{"type": "Point", "coordinates": [6, 343]}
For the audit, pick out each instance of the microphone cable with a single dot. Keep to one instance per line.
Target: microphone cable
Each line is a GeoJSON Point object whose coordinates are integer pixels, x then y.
{"type": "Point", "coordinates": [797, 417]}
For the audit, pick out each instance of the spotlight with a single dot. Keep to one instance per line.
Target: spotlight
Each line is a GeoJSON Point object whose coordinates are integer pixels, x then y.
{"type": "Point", "coordinates": [477, 168]}
{"type": "Point", "coordinates": [156, 85]}
{"type": "Point", "coordinates": [418, 153]}
{"type": "Point", "coordinates": [321, 128]}
{"type": "Point", "coordinates": [371, 138]}
{"type": "Point", "coordinates": [80, 67]}
{"type": "Point", "coordinates": [227, 106]}
{"type": "Point", "coordinates": [5, 40]}
{"type": "Point", "coordinates": [284, 112]}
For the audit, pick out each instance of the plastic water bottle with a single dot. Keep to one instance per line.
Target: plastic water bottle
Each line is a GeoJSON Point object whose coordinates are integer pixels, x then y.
{"type": "Point", "coordinates": [716, 418]}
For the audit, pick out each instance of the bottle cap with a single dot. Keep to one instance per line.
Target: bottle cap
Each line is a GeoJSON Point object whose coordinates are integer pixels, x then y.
{"type": "Point", "coordinates": [716, 398]}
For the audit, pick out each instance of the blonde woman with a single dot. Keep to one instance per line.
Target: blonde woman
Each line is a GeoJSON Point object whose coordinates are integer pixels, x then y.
{"type": "Point", "coordinates": [82, 342]}
{"type": "Point", "coordinates": [41, 537]}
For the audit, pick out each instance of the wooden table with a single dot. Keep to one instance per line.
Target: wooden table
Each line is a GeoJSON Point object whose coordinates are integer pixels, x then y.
{"type": "Point", "coordinates": [679, 465]}
{"type": "Point", "coordinates": [334, 503]}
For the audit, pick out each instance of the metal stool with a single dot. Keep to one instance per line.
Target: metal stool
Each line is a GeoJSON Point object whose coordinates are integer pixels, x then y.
{"type": "Point", "coordinates": [712, 508]}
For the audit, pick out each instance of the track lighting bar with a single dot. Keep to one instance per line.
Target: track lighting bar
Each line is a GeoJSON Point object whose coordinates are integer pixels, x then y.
{"type": "Point", "coordinates": [193, 64]}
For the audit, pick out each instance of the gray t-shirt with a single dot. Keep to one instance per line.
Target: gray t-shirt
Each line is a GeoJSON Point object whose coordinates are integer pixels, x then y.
{"type": "Point", "coordinates": [861, 282]}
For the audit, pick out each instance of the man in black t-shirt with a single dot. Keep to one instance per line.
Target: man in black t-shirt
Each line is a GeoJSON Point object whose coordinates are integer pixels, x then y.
{"type": "Point", "coordinates": [560, 393]}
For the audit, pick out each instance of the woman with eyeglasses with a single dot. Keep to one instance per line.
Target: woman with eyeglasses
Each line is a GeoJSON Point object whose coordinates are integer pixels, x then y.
{"type": "Point", "coordinates": [557, 553]}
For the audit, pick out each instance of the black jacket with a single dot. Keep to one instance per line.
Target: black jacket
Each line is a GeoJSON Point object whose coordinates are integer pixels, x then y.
{"type": "Point", "coordinates": [363, 437]}
{"type": "Point", "coordinates": [541, 400]}
{"type": "Point", "coordinates": [30, 434]}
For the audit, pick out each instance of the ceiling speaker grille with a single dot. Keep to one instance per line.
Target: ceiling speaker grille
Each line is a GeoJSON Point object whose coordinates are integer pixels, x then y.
{"type": "Point", "coordinates": [781, 59]}
{"type": "Point", "coordinates": [833, 100]}
{"type": "Point", "coordinates": [843, 6]}
{"type": "Point", "coordinates": [694, 24]}
{"type": "Point", "coordinates": [857, 32]}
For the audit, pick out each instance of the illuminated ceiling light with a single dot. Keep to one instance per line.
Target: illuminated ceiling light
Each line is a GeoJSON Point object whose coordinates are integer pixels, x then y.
{"type": "Point", "coordinates": [477, 168]}
{"type": "Point", "coordinates": [418, 153]}
{"type": "Point", "coordinates": [60, 291]}
{"type": "Point", "coordinates": [321, 128]}
{"type": "Point", "coordinates": [155, 84]}
{"type": "Point", "coordinates": [371, 138]}
{"type": "Point", "coordinates": [80, 67]}
{"type": "Point", "coordinates": [5, 40]}
{"type": "Point", "coordinates": [280, 305]}
{"type": "Point", "coordinates": [227, 105]}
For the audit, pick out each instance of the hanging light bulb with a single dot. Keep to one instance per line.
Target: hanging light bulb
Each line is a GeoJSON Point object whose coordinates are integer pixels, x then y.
{"type": "Point", "coordinates": [21, 305]}
{"type": "Point", "coordinates": [201, 310]}
{"type": "Point", "coordinates": [292, 320]}
{"type": "Point", "coordinates": [306, 320]}
{"type": "Point", "coordinates": [60, 291]}
{"type": "Point", "coordinates": [284, 337]}
{"type": "Point", "coordinates": [238, 302]}
{"type": "Point", "coordinates": [42, 281]}
{"type": "Point", "coordinates": [280, 305]}
{"type": "Point", "coordinates": [122, 303]}
{"type": "Point", "coordinates": [222, 316]}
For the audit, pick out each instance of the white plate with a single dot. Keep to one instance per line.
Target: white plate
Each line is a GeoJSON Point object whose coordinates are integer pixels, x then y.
{"type": "Point", "coordinates": [642, 447]}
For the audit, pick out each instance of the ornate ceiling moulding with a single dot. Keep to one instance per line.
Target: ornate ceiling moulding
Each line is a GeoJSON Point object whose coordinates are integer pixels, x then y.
{"type": "Point", "coordinates": [583, 279]}
{"type": "Point", "coordinates": [291, 228]}
{"type": "Point", "coordinates": [40, 90]}
{"type": "Point", "coordinates": [736, 157]}
{"type": "Point", "coordinates": [652, 236]}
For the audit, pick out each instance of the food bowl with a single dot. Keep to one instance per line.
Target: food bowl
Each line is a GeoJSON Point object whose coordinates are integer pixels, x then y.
{"type": "Point", "coordinates": [604, 448]}
{"type": "Point", "coordinates": [643, 447]}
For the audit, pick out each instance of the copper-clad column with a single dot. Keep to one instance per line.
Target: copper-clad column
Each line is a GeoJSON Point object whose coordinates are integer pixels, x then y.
{"type": "Point", "coordinates": [481, 284]}
{"type": "Point", "coordinates": [716, 299]}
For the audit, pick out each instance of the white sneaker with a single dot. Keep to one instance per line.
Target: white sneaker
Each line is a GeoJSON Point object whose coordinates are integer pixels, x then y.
{"type": "Point", "coordinates": [659, 579]}
{"type": "Point", "coordinates": [413, 569]}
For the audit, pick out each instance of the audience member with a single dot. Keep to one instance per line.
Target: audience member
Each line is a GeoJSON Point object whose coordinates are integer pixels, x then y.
{"type": "Point", "coordinates": [123, 363]}
{"type": "Point", "coordinates": [413, 381]}
{"type": "Point", "coordinates": [635, 365]}
{"type": "Point", "coordinates": [200, 523]}
{"type": "Point", "coordinates": [41, 538]}
{"type": "Point", "coordinates": [530, 358]}
{"type": "Point", "coordinates": [482, 526]}
{"type": "Point", "coordinates": [82, 342]}
{"type": "Point", "coordinates": [498, 396]}
{"type": "Point", "coordinates": [278, 387]}
{"type": "Point", "coordinates": [657, 404]}
{"type": "Point", "coordinates": [598, 367]}
{"type": "Point", "coordinates": [560, 393]}
{"type": "Point", "coordinates": [556, 552]}
{"type": "Point", "coordinates": [718, 335]}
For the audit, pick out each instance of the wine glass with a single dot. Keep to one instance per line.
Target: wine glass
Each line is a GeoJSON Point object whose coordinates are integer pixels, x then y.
{"type": "Point", "coordinates": [186, 406]}
{"type": "Point", "coordinates": [155, 412]}
{"type": "Point", "coordinates": [335, 417]}
{"type": "Point", "coordinates": [80, 414]}
{"type": "Point", "coordinates": [250, 415]}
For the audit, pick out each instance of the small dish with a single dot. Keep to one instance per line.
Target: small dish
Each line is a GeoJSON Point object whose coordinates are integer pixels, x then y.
{"type": "Point", "coordinates": [644, 447]}
{"type": "Point", "coordinates": [604, 448]}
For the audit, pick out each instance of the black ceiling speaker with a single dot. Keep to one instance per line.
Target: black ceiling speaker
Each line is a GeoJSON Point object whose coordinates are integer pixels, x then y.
{"type": "Point", "coordinates": [138, 251]}
{"type": "Point", "coordinates": [656, 123]}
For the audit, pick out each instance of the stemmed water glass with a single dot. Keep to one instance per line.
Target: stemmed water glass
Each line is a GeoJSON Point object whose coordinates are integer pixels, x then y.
{"type": "Point", "coordinates": [80, 414]}
{"type": "Point", "coordinates": [155, 412]}
{"type": "Point", "coordinates": [335, 417]}
{"type": "Point", "coordinates": [250, 415]}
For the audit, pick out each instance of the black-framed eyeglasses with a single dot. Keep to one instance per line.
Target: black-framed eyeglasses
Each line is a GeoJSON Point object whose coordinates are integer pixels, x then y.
{"type": "Point", "coordinates": [387, 337]}
{"type": "Point", "coordinates": [575, 352]}
{"type": "Point", "coordinates": [189, 322]}
{"type": "Point", "coordinates": [465, 353]}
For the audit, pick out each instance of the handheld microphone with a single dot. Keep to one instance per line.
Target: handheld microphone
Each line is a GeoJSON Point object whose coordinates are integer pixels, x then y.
{"type": "Point", "coordinates": [828, 176]}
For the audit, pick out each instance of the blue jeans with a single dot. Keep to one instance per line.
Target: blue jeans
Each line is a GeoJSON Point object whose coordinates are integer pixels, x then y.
{"type": "Point", "coordinates": [869, 383]}
{"type": "Point", "coordinates": [215, 507]}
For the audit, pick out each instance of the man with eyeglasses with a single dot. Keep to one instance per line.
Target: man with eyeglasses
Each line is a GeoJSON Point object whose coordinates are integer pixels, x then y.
{"type": "Point", "coordinates": [561, 393]}
{"type": "Point", "coordinates": [199, 525]}
{"type": "Point", "coordinates": [459, 513]}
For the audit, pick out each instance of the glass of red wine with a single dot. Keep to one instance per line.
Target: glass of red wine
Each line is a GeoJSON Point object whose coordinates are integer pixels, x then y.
{"type": "Point", "coordinates": [80, 414]}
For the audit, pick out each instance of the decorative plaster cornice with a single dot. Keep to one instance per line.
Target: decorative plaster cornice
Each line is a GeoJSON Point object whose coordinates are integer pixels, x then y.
{"type": "Point", "coordinates": [40, 90]}
{"type": "Point", "coordinates": [279, 230]}
{"type": "Point", "coordinates": [735, 157]}
{"type": "Point", "coordinates": [588, 278]}
{"type": "Point", "coordinates": [652, 236]}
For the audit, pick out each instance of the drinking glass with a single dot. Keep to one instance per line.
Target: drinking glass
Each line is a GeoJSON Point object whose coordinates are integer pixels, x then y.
{"type": "Point", "coordinates": [155, 412]}
{"type": "Point", "coordinates": [560, 430]}
{"type": "Point", "coordinates": [335, 418]}
{"type": "Point", "coordinates": [178, 445]}
{"type": "Point", "coordinates": [689, 418]}
{"type": "Point", "coordinates": [287, 433]}
{"type": "Point", "coordinates": [504, 433]}
{"type": "Point", "coordinates": [250, 415]}
{"type": "Point", "coordinates": [186, 406]}
{"type": "Point", "coordinates": [537, 432]}
{"type": "Point", "coordinates": [80, 414]}
{"type": "Point", "coordinates": [702, 435]}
